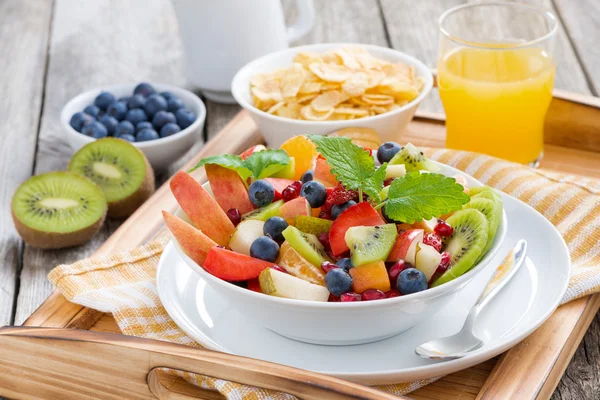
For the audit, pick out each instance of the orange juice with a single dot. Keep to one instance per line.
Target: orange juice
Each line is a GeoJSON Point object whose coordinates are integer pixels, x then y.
{"type": "Point", "coordinates": [496, 100]}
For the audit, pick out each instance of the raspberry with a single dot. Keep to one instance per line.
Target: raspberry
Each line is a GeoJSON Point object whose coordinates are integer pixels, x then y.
{"type": "Point", "coordinates": [445, 259]}
{"type": "Point", "coordinates": [339, 195]}
{"type": "Point", "coordinates": [434, 240]}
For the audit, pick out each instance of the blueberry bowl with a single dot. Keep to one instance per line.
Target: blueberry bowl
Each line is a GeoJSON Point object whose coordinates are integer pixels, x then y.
{"type": "Point", "coordinates": [163, 135]}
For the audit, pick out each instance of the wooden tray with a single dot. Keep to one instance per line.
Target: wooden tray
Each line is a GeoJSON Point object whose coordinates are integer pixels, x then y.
{"type": "Point", "coordinates": [531, 369]}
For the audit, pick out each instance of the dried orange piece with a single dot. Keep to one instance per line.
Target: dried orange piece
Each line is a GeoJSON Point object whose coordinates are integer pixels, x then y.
{"type": "Point", "coordinates": [296, 265]}
{"type": "Point", "coordinates": [304, 152]}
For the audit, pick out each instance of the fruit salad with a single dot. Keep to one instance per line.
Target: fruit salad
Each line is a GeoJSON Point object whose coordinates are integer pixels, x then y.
{"type": "Point", "coordinates": [338, 218]}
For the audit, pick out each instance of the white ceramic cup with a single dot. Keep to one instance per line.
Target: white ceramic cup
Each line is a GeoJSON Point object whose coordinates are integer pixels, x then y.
{"type": "Point", "coordinates": [220, 36]}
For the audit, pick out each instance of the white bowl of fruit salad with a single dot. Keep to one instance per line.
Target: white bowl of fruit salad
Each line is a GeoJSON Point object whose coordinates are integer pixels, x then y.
{"type": "Point", "coordinates": [318, 243]}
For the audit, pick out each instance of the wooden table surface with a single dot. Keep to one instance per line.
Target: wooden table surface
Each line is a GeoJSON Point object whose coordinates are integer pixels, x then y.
{"type": "Point", "coordinates": [52, 50]}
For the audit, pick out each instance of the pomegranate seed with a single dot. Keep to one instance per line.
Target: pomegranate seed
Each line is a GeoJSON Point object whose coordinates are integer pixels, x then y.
{"type": "Point", "coordinates": [296, 185]}
{"type": "Point", "coordinates": [324, 239]}
{"type": "Point", "coordinates": [434, 240]}
{"type": "Point", "coordinates": [277, 196]}
{"type": "Point", "coordinates": [350, 296]}
{"type": "Point", "coordinates": [388, 181]}
{"type": "Point", "coordinates": [443, 267]}
{"type": "Point", "coordinates": [278, 268]}
{"type": "Point", "coordinates": [373, 294]}
{"type": "Point", "coordinates": [395, 270]}
{"type": "Point", "coordinates": [328, 266]}
{"type": "Point", "coordinates": [234, 216]}
{"type": "Point", "coordinates": [443, 229]}
{"type": "Point", "coordinates": [333, 298]}
{"type": "Point", "coordinates": [289, 193]}
{"type": "Point", "coordinates": [392, 293]}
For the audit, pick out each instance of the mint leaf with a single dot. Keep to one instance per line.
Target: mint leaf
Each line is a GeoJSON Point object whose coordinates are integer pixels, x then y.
{"type": "Point", "coordinates": [352, 165]}
{"type": "Point", "coordinates": [416, 196]}
{"type": "Point", "coordinates": [265, 163]}
{"type": "Point", "coordinates": [374, 183]}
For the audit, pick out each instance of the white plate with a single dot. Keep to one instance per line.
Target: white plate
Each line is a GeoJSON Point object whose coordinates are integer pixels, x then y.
{"type": "Point", "coordinates": [524, 304]}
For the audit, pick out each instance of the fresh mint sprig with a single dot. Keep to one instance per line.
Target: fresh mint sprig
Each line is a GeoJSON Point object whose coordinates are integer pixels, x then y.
{"type": "Point", "coordinates": [258, 165]}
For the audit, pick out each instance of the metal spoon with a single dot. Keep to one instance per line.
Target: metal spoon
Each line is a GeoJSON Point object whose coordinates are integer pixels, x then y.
{"type": "Point", "coordinates": [463, 342]}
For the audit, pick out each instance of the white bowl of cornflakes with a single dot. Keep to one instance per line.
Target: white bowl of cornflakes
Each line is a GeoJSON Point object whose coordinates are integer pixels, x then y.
{"type": "Point", "coordinates": [321, 88]}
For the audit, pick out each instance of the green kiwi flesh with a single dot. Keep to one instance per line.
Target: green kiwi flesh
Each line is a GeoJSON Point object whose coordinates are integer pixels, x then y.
{"type": "Point", "coordinates": [58, 209]}
{"type": "Point", "coordinates": [492, 209]}
{"type": "Point", "coordinates": [264, 213]}
{"type": "Point", "coordinates": [120, 169]}
{"type": "Point", "coordinates": [370, 243]}
{"type": "Point", "coordinates": [314, 225]}
{"type": "Point", "coordinates": [307, 245]}
{"type": "Point", "coordinates": [466, 243]}
{"type": "Point", "coordinates": [413, 159]}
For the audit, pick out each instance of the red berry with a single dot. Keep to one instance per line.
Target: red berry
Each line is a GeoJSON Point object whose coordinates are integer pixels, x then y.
{"type": "Point", "coordinates": [446, 259]}
{"type": "Point", "coordinates": [324, 239]}
{"type": "Point", "coordinates": [289, 193]}
{"type": "Point", "coordinates": [277, 196]}
{"type": "Point", "coordinates": [278, 268]}
{"type": "Point", "coordinates": [254, 285]}
{"type": "Point", "coordinates": [434, 240]}
{"type": "Point", "coordinates": [395, 270]}
{"type": "Point", "coordinates": [234, 216]}
{"type": "Point", "coordinates": [443, 229]}
{"type": "Point", "coordinates": [296, 185]}
{"type": "Point", "coordinates": [333, 298]}
{"type": "Point", "coordinates": [328, 266]}
{"type": "Point", "coordinates": [350, 296]}
{"type": "Point", "coordinates": [338, 195]}
{"type": "Point", "coordinates": [392, 293]}
{"type": "Point", "coordinates": [325, 215]}
{"type": "Point", "coordinates": [443, 267]}
{"type": "Point", "coordinates": [388, 181]}
{"type": "Point", "coordinates": [373, 294]}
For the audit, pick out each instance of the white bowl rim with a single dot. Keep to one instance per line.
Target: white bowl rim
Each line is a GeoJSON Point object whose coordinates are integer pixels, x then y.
{"type": "Point", "coordinates": [200, 118]}
{"type": "Point", "coordinates": [430, 293]}
{"type": "Point", "coordinates": [237, 83]}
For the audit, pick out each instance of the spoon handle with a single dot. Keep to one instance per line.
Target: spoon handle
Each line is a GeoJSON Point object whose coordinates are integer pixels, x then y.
{"type": "Point", "coordinates": [504, 273]}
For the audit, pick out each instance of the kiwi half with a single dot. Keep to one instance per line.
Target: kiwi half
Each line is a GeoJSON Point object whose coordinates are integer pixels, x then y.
{"type": "Point", "coordinates": [488, 193]}
{"type": "Point", "coordinates": [370, 243]}
{"type": "Point", "coordinates": [120, 169]}
{"type": "Point", "coordinates": [58, 209]}
{"type": "Point", "coordinates": [307, 245]}
{"type": "Point", "coordinates": [465, 244]}
{"type": "Point", "coordinates": [413, 159]}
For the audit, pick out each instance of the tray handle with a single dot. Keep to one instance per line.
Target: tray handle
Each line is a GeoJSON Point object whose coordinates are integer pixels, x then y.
{"type": "Point", "coordinates": [69, 363]}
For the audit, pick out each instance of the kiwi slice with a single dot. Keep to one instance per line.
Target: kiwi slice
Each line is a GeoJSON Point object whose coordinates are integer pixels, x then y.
{"type": "Point", "coordinates": [493, 212]}
{"type": "Point", "coordinates": [307, 245]}
{"type": "Point", "coordinates": [465, 244]}
{"type": "Point", "coordinates": [413, 159]}
{"type": "Point", "coordinates": [120, 169]}
{"type": "Point", "coordinates": [370, 243]}
{"type": "Point", "coordinates": [264, 213]}
{"type": "Point", "coordinates": [58, 209]}
{"type": "Point", "coordinates": [314, 225]}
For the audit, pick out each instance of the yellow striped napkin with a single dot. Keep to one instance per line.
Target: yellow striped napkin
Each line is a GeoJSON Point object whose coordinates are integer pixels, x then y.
{"type": "Point", "coordinates": [124, 284]}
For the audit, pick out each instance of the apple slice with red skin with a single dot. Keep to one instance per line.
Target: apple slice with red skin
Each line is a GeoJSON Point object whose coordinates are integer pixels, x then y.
{"type": "Point", "coordinates": [228, 188]}
{"type": "Point", "coordinates": [201, 208]}
{"type": "Point", "coordinates": [427, 260]}
{"type": "Point", "coordinates": [251, 150]}
{"type": "Point", "coordinates": [195, 243]}
{"type": "Point", "coordinates": [279, 183]}
{"type": "Point", "coordinates": [231, 266]}
{"type": "Point", "coordinates": [323, 173]}
{"type": "Point", "coordinates": [293, 208]}
{"type": "Point", "coordinates": [405, 247]}
{"type": "Point", "coordinates": [361, 214]}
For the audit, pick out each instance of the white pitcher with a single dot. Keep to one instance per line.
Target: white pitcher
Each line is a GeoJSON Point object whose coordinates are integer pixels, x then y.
{"type": "Point", "coordinates": [221, 36]}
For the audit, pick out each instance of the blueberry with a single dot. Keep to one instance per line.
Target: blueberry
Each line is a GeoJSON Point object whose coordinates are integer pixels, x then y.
{"type": "Point", "coordinates": [124, 128]}
{"type": "Point", "coordinates": [261, 193]}
{"type": "Point", "coordinates": [143, 125]}
{"type": "Point", "coordinates": [337, 209]}
{"type": "Point", "coordinates": [145, 135]}
{"type": "Point", "coordinates": [92, 110]}
{"type": "Point", "coordinates": [184, 118]}
{"type": "Point", "coordinates": [117, 110]}
{"type": "Point", "coordinates": [162, 118]}
{"type": "Point", "coordinates": [273, 228]}
{"type": "Point", "coordinates": [95, 130]}
{"type": "Point", "coordinates": [154, 104]}
{"type": "Point", "coordinates": [315, 193]}
{"type": "Point", "coordinates": [110, 123]}
{"type": "Point", "coordinates": [129, 138]}
{"type": "Point", "coordinates": [79, 120]}
{"type": "Point", "coordinates": [136, 115]}
{"type": "Point", "coordinates": [308, 176]}
{"type": "Point", "coordinates": [411, 280]}
{"type": "Point", "coordinates": [345, 263]}
{"type": "Point", "coordinates": [136, 101]}
{"type": "Point", "coordinates": [264, 248]}
{"type": "Point", "coordinates": [174, 104]}
{"type": "Point", "coordinates": [103, 100]}
{"type": "Point", "coordinates": [145, 89]}
{"type": "Point", "coordinates": [167, 95]}
{"type": "Point", "coordinates": [387, 151]}
{"type": "Point", "coordinates": [124, 99]}
{"type": "Point", "coordinates": [169, 129]}
{"type": "Point", "coordinates": [338, 281]}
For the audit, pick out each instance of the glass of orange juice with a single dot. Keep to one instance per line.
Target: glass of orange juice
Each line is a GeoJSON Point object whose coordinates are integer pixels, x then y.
{"type": "Point", "coordinates": [495, 77]}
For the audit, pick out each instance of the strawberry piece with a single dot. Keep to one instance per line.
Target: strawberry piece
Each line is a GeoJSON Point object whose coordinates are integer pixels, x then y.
{"type": "Point", "coordinates": [361, 214]}
{"type": "Point", "coordinates": [231, 266]}
{"type": "Point", "coordinates": [434, 240]}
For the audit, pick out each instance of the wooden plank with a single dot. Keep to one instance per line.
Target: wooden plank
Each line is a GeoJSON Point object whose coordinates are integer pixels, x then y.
{"type": "Point", "coordinates": [581, 20]}
{"type": "Point", "coordinates": [92, 44]}
{"type": "Point", "coordinates": [24, 31]}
